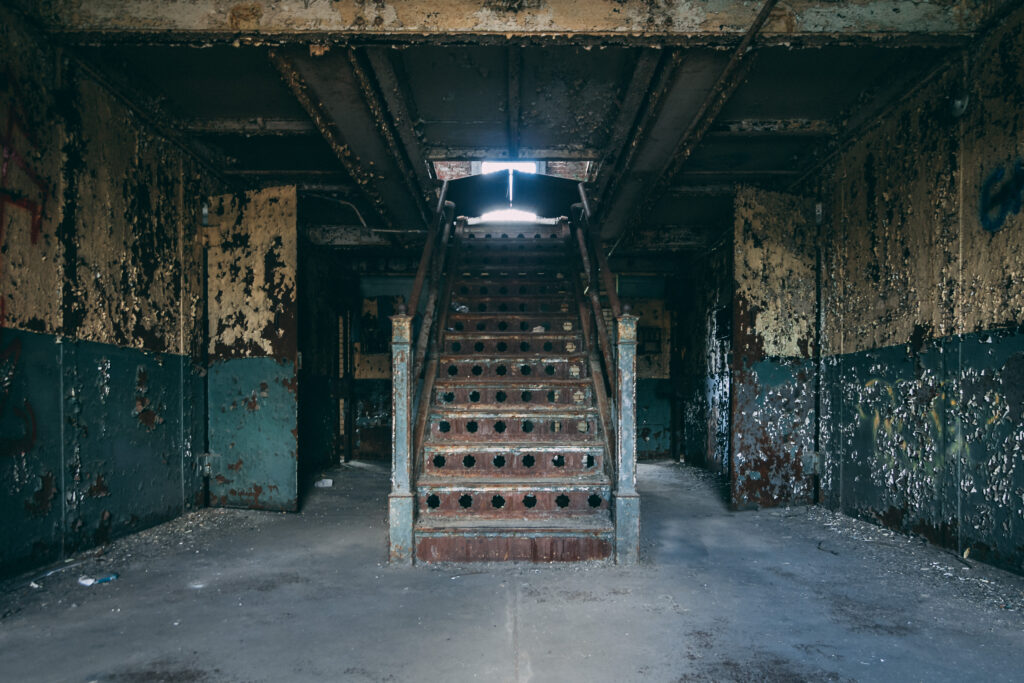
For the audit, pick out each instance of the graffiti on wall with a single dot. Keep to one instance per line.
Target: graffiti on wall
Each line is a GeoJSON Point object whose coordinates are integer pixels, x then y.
{"type": "Point", "coordinates": [17, 144]}
{"type": "Point", "coordinates": [1001, 196]}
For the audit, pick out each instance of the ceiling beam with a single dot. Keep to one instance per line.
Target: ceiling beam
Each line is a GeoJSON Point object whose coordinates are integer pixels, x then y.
{"type": "Point", "coordinates": [629, 119]}
{"type": "Point", "coordinates": [386, 129]}
{"type": "Point", "coordinates": [249, 126]}
{"type": "Point", "coordinates": [438, 153]}
{"type": "Point", "coordinates": [753, 127]}
{"type": "Point", "coordinates": [328, 129]}
{"type": "Point", "coordinates": [732, 75]}
{"type": "Point", "coordinates": [394, 89]}
{"type": "Point", "coordinates": [719, 22]}
{"type": "Point", "coordinates": [684, 191]}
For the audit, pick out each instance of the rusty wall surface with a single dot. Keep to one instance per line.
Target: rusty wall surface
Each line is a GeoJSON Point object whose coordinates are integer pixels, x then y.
{"type": "Point", "coordinates": [252, 261]}
{"type": "Point", "coordinates": [703, 305]}
{"type": "Point", "coordinates": [31, 190]}
{"type": "Point", "coordinates": [252, 265]}
{"type": "Point", "coordinates": [773, 459]}
{"type": "Point", "coordinates": [102, 409]}
{"type": "Point", "coordinates": [922, 425]}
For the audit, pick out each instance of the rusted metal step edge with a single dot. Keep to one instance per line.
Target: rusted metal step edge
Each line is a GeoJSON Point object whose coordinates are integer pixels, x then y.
{"type": "Point", "coordinates": [515, 412]}
{"type": "Point", "coordinates": [467, 337]}
{"type": "Point", "coordinates": [512, 297]}
{"type": "Point", "coordinates": [569, 523]}
{"type": "Point", "coordinates": [517, 282]}
{"type": "Point", "coordinates": [489, 410]}
{"type": "Point", "coordinates": [565, 357]}
{"type": "Point", "coordinates": [520, 383]}
{"type": "Point", "coordinates": [546, 483]}
{"type": "Point", "coordinates": [511, 315]}
{"type": "Point", "coordinates": [596, 447]}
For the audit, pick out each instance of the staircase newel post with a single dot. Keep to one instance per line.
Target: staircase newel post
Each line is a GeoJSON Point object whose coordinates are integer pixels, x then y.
{"type": "Point", "coordinates": [627, 501]}
{"type": "Point", "coordinates": [400, 500]}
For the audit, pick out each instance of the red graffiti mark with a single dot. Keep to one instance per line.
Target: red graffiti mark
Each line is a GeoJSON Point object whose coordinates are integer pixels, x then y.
{"type": "Point", "coordinates": [9, 357]}
{"type": "Point", "coordinates": [12, 158]}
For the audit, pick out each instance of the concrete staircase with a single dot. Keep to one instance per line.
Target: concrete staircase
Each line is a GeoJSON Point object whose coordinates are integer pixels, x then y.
{"type": "Point", "coordinates": [512, 461]}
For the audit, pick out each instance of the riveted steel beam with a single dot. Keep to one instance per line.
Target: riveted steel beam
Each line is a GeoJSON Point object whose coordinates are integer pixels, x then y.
{"type": "Point", "coordinates": [675, 21]}
{"type": "Point", "coordinates": [328, 129]}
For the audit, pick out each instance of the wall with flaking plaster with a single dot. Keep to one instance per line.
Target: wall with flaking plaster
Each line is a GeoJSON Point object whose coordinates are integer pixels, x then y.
{"type": "Point", "coordinates": [772, 449]}
{"type": "Point", "coordinates": [922, 425]}
{"type": "Point", "coordinates": [102, 410]}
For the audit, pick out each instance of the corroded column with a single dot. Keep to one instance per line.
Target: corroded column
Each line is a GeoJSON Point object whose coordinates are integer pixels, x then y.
{"type": "Point", "coordinates": [627, 502]}
{"type": "Point", "coordinates": [400, 500]}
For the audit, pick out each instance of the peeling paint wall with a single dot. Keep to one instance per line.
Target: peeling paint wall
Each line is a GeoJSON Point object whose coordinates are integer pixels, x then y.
{"type": "Point", "coordinates": [253, 331]}
{"type": "Point", "coordinates": [773, 390]}
{"type": "Point", "coordinates": [102, 409]}
{"type": "Point", "coordinates": [704, 311]}
{"type": "Point", "coordinates": [923, 291]}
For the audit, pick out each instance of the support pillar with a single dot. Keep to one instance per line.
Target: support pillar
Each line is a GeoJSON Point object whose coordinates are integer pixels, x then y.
{"type": "Point", "coordinates": [627, 501]}
{"type": "Point", "coordinates": [400, 500]}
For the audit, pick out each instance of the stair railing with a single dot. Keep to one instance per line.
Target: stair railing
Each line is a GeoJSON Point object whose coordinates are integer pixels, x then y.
{"type": "Point", "coordinates": [410, 385]}
{"type": "Point", "coordinates": [619, 375]}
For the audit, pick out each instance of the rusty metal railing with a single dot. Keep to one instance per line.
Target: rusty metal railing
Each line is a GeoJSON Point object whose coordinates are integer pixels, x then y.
{"type": "Point", "coordinates": [618, 365]}
{"type": "Point", "coordinates": [410, 385]}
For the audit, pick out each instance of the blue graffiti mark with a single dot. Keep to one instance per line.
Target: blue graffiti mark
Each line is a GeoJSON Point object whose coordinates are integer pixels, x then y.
{"type": "Point", "coordinates": [1000, 199]}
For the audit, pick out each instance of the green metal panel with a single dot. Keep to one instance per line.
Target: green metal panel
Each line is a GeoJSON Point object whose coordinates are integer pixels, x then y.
{"type": "Point", "coordinates": [253, 442]}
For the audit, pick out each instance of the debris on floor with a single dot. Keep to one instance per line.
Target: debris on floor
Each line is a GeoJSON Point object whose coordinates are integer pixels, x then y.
{"type": "Point", "coordinates": [90, 581]}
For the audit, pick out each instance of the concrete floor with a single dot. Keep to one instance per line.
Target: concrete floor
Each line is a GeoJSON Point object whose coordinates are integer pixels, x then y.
{"type": "Point", "coordinates": [781, 595]}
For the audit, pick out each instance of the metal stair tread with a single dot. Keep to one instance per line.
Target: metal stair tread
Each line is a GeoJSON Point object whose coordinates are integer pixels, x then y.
{"type": "Point", "coordinates": [481, 443]}
{"type": "Point", "coordinates": [600, 523]}
{"type": "Point", "coordinates": [458, 483]}
{"type": "Point", "coordinates": [499, 410]}
{"type": "Point", "coordinates": [524, 447]}
{"type": "Point", "coordinates": [512, 358]}
{"type": "Point", "coordinates": [444, 410]}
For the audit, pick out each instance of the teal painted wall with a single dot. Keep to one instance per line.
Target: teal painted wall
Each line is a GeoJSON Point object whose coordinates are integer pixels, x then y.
{"type": "Point", "coordinates": [254, 434]}
{"type": "Point", "coordinates": [98, 441]}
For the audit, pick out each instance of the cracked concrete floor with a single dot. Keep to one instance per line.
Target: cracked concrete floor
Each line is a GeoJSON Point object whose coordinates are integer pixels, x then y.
{"type": "Point", "coordinates": [782, 595]}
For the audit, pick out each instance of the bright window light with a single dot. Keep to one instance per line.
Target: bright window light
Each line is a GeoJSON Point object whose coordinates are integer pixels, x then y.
{"type": "Point", "coordinates": [509, 215]}
{"type": "Point", "coordinates": [521, 166]}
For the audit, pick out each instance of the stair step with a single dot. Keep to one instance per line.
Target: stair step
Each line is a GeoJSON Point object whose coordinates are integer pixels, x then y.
{"type": "Point", "coordinates": [554, 429]}
{"type": "Point", "coordinates": [553, 271]}
{"type": "Point", "coordinates": [513, 287]}
{"type": "Point", "coordinates": [520, 500]}
{"type": "Point", "coordinates": [514, 323]}
{"type": "Point", "coordinates": [508, 237]}
{"type": "Point", "coordinates": [478, 466]}
{"type": "Point", "coordinates": [537, 368]}
{"type": "Point", "coordinates": [488, 408]}
{"type": "Point", "coordinates": [595, 523]}
{"type": "Point", "coordinates": [494, 344]}
{"type": "Point", "coordinates": [448, 544]}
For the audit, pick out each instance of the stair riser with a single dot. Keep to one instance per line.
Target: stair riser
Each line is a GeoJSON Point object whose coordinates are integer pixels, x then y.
{"type": "Point", "coordinates": [554, 463]}
{"type": "Point", "coordinates": [513, 502]}
{"type": "Point", "coordinates": [495, 347]}
{"type": "Point", "coordinates": [534, 369]}
{"type": "Point", "coordinates": [520, 397]}
{"type": "Point", "coordinates": [516, 327]}
{"type": "Point", "coordinates": [506, 234]}
{"type": "Point", "coordinates": [453, 429]}
{"type": "Point", "coordinates": [511, 287]}
{"type": "Point", "coordinates": [512, 305]}
{"type": "Point", "coordinates": [507, 548]}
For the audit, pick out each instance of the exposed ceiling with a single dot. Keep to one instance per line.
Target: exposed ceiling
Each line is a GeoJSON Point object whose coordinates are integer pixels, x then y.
{"type": "Point", "coordinates": [670, 126]}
